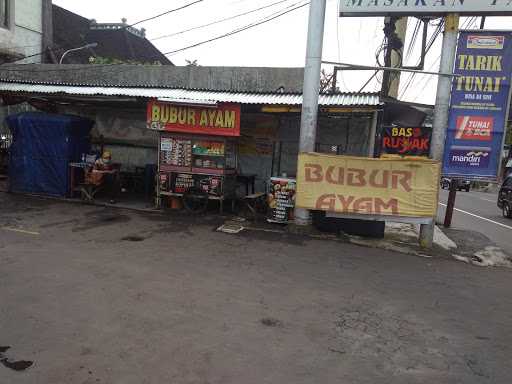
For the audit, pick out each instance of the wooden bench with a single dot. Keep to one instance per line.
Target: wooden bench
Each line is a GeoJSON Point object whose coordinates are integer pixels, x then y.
{"type": "Point", "coordinates": [88, 191]}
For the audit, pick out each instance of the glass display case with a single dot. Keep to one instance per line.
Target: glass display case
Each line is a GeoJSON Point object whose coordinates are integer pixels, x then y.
{"type": "Point", "coordinates": [198, 154]}
{"type": "Point", "coordinates": [197, 164]}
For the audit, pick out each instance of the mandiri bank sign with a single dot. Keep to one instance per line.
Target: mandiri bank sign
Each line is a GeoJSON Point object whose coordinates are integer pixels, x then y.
{"type": "Point", "coordinates": [424, 7]}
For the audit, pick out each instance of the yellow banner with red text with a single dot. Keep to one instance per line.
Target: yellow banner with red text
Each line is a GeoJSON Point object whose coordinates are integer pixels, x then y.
{"type": "Point", "coordinates": [343, 184]}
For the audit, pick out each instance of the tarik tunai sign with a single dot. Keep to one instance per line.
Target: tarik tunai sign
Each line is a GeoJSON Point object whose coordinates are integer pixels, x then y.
{"type": "Point", "coordinates": [479, 105]}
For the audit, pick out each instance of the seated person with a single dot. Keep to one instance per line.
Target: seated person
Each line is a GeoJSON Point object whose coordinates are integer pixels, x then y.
{"type": "Point", "coordinates": [103, 174]}
{"type": "Point", "coordinates": [104, 163]}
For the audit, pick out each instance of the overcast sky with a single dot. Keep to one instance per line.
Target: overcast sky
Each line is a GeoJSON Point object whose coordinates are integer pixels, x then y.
{"type": "Point", "coordinates": [280, 43]}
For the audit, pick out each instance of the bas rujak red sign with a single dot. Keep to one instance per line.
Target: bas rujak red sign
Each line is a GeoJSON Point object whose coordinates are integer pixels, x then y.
{"type": "Point", "coordinates": [406, 141]}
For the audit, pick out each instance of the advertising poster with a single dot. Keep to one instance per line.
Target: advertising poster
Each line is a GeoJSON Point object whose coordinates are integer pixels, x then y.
{"type": "Point", "coordinates": [281, 199]}
{"type": "Point", "coordinates": [406, 141]}
{"type": "Point", "coordinates": [385, 187]}
{"type": "Point", "coordinates": [479, 105]}
{"type": "Point", "coordinates": [258, 134]}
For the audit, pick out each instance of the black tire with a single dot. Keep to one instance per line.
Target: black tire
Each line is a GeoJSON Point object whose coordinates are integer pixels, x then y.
{"type": "Point", "coordinates": [467, 189]}
{"type": "Point", "coordinates": [507, 212]}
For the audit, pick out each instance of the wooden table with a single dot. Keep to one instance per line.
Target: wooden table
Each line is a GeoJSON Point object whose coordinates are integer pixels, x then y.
{"type": "Point", "coordinates": [248, 180]}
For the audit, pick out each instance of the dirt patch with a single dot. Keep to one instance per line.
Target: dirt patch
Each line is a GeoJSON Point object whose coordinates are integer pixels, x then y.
{"type": "Point", "coordinates": [256, 234]}
{"type": "Point", "coordinates": [102, 220]}
{"type": "Point", "coordinates": [477, 249]}
{"type": "Point", "coordinates": [133, 238]}
{"type": "Point", "coordinates": [59, 223]}
{"type": "Point", "coordinates": [271, 322]}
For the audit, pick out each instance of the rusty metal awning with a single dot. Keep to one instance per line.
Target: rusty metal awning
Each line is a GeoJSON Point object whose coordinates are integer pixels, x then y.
{"type": "Point", "coordinates": [192, 96]}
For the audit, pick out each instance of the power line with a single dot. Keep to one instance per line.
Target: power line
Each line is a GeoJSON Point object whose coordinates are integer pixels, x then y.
{"type": "Point", "coordinates": [430, 43]}
{"type": "Point", "coordinates": [466, 24]}
{"type": "Point", "coordinates": [218, 21]}
{"type": "Point", "coordinates": [413, 40]}
{"type": "Point", "coordinates": [164, 13]}
{"type": "Point", "coordinates": [123, 28]}
{"type": "Point", "coordinates": [266, 20]}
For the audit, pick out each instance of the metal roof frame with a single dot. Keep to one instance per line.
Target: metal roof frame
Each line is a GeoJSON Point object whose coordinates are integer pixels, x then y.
{"type": "Point", "coordinates": [187, 96]}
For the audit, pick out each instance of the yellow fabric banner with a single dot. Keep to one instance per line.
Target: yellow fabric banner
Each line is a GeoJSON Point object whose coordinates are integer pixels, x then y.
{"type": "Point", "coordinates": [343, 184]}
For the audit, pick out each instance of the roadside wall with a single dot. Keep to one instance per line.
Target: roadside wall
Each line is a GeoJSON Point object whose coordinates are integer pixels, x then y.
{"type": "Point", "coordinates": [124, 133]}
{"type": "Point", "coordinates": [263, 137]}
{"type": "Point", "coordinates": [270, 143]}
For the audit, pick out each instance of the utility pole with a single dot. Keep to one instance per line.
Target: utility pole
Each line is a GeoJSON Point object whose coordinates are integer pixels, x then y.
{"type": "Point", "coordinates": [395, 30]}
{"type": "Point", "coordinates": [442, 108]}
{"type": "Point", "coordinates": [311, 89]}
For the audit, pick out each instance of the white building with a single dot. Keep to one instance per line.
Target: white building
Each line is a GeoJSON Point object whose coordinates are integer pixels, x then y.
{"type": "Point", "coordinates": [25, 30]}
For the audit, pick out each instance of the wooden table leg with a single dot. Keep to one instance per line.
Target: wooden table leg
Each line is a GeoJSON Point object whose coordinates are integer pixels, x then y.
{"type": "Point", "coordinates": [71, 174]}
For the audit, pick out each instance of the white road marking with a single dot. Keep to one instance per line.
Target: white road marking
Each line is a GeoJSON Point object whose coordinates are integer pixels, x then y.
{"type": "Point", "coordinates": [20, 231]}
{"type": "Point", "coordinates": [490, 201]}
{"type": "Point", "coordinates": [479, 217]}
{"type": "Point", "coordinates": [478, 197]}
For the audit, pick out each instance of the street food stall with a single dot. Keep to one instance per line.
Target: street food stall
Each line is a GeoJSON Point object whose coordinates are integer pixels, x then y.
{"type": "Point", "coordinates": [198, 152]}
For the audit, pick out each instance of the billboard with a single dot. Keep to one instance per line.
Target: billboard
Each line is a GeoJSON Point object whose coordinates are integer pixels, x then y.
{"type": "Point", "coordinates": [406, 141]}
{"type": "Point", "coordinates": [224, 120]}
{"type": "Point", "coordinates": [343, 184]}
{"type": "Point", "coordinates": [479, 105]}
{"type": "Point", "coordinates": [424, 7]}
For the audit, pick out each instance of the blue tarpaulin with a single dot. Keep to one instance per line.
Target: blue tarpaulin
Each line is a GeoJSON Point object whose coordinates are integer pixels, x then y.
{"type": "Point", "coordinates": [43, 146]}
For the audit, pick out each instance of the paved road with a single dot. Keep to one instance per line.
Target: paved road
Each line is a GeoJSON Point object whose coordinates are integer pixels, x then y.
{"type": "Point", "coordinates": [93, 295]}
{"type": "Point", "coordinates": [477, 211]}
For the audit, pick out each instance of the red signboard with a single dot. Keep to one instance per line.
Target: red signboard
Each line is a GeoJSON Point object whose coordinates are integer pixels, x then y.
{"type": "Point", "coordinates": [474, 128]}
{"type": "Point", "coordinates": [406, 141]}
{"type": "Point", "coordinates": [223, 120]}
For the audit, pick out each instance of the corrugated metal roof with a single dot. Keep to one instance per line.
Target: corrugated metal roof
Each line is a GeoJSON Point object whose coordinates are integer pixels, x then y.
{"type": "Point", "coordinates": [341, 99]}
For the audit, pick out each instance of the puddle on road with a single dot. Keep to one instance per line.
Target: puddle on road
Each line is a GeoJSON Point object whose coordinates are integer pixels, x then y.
{"type": "Point", "coordinates": [101, 221]}
{"type": "Point", "coordinates": [19, 365]}
{"type": "Point", "coordinates": [16, 365]}
{"type": "Point", "coordinates": [133, 238]}
{"type": "Point", "coordinates": [271, 322]}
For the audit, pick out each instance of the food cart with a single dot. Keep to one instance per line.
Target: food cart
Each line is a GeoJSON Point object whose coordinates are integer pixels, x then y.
{"type": "Point", "coordinates": [198, 152]}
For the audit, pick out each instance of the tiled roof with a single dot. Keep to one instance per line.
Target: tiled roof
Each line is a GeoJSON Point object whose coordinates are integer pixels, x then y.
{"type": "Point", "coordinates": [71, 31]}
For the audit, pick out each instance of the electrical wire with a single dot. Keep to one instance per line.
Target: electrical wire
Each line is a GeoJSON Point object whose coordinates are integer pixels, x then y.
{"type": "Point", "coordinates": [414, 38]}
{"type": "Point", "coordinates": [124, 27]}
{"type": "Point", "coordinates": [164, 13]}
{"type": "Point", "coordinates": [433, 38]}
{"type": "Point", "coordinates": [269, 18]}
{"type": "Point", "coordinates": [218, 21]}
{"type": "Point", "coordinates": [466, 24]}
{"type": "Point", "coordinates": [426, 78]}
